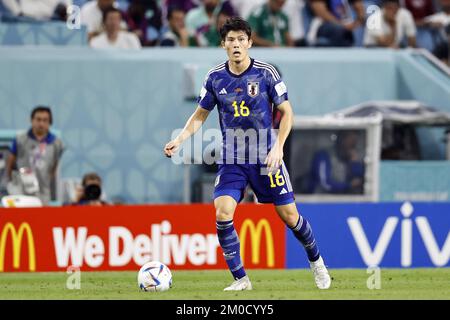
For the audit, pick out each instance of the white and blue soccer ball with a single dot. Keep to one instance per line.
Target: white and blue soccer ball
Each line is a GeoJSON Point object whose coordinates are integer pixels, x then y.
{"type": "Point", "coordinates": [154, 276]}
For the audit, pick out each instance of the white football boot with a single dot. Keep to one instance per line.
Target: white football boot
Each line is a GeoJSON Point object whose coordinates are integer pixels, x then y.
{"type": "Point", "coordinates": [321, 276]}
{"type": "Point", "coordinates": [240, 284]}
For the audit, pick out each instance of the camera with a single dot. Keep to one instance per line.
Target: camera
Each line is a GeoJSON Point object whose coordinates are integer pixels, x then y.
{"type": "Point", "coordinates": [92, 192]}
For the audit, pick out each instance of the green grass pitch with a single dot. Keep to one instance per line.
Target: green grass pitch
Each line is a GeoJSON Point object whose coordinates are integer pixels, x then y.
{"type": "Point", "coordinates": [268, 284]}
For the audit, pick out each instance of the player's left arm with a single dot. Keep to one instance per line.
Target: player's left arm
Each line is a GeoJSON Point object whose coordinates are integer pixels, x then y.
{"type": "Point", "coordinates": [275, 156]}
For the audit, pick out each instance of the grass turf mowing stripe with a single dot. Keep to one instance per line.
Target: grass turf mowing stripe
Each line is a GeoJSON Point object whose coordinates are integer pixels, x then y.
{"type": "Point", "coordinates": [268, 284]}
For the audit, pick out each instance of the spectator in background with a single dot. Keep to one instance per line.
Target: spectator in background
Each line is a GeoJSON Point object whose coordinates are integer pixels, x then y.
{"type": "Point", "coordinates": [244, 8]}
{"type": "Point", "coordinates": [113, 36]}
{"type": "Point", "coordinates": [396, 27]}
{"type": "Point", "coordinates": [439, 25]}
{"type": "Point", "coordinates": [175, 35]}
{"type": "Point", "coordinates": [209, 36]}
{"type": "Point", "coordinates": [270, 25]}
{"type": "Point", "coordinates": [333, 23]}
{"type": "Point", "coordinates": [419, 9]}
{"type": "Point", "coordinates": [143, 17]}
{"type": "Point", "coordinates": [441, 19]}
{"type": "Point", "coordinates": [39, 151]}
{"type": "Point", "coordinates": [200, 19]}
{"type": "Point", "coordinates": [340, 170]}
{"type": "Point", "coordinates": [90, 192]}
{"type": "Point", "coordinates": [428, 36]}
{"type": "Point", "coordinates": [293, 10]}
{"type": "Point", "coordinates": [38, 9]}
{"type": "Point", "coordinates": [185, 5]}
{"type": "Point", "coordinates": [91, 15]}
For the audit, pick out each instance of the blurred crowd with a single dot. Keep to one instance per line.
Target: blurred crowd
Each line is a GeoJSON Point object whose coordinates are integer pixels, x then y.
{"type": "Point", "coordinates": [134, 24]}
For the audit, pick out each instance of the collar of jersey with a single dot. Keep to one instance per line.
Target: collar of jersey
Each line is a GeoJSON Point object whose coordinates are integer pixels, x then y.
{"type": "Point", "coordinates": [50, 138]}
{"type": "Point", "coordinates": [243, 73]}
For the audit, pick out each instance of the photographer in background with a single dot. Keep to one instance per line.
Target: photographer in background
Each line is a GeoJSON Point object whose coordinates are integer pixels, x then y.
{"type": "Point", "coordinates": [90, 192]}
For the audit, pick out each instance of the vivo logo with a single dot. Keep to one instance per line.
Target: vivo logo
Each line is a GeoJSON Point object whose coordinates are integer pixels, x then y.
{"type": "Point", "coordinates": [372, 258]}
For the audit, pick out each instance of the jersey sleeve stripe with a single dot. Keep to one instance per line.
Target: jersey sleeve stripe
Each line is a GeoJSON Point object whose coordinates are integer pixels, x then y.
{"type": "Point", "coordinates": [265, 68]}
{"type": "Point", "coordinates": [269, 67]}
{"type": "Point", "coordinates": [215, 69]}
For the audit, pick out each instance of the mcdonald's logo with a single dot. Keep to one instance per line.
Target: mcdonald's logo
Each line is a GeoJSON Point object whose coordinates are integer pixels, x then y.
{"type": "Point", "coordinates": [16, 238]}
{"type": "Point", "coordinates": [255, 237]}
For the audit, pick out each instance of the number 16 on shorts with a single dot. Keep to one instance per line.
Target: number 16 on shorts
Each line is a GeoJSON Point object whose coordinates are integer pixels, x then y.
{"type": "Point", "coordinates": [279, 182]}
{"type": "Point", "coordinates": [276, 179]}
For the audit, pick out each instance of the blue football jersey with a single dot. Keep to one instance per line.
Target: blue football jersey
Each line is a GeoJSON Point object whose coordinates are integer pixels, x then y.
{"type": "Point", "coordinates": [245, 104]}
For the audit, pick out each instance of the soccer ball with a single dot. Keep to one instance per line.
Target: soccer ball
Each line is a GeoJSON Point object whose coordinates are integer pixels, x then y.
{"type": "Point", "coordinates": [154, 276]}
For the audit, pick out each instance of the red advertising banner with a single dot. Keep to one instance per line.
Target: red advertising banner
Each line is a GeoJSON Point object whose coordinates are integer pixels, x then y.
{"type": "Point", "coordinates": [125, 237]}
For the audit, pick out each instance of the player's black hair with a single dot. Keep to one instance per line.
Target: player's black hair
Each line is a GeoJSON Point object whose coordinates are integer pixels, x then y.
{"type": "Point", "coordinates": [108, 11]}
{"type": "Point", "coordinates": [235, 24]}
{"type": "Point", "coordinates": [173, 9]}
{"type": "Point", "coordinates": [42, 109]}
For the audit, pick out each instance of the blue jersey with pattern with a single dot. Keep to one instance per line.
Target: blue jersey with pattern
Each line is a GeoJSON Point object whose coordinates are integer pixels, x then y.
{"type": "Point", "coordinates": [245, 104]}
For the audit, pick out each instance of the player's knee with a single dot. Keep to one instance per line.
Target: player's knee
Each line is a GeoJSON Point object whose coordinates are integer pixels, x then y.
{"type": "Point", "coordinates": [290, 218]}
{"type": "Point", "coordinates": [223, 215]}
{"type": "Point", "coordinates": [288, 214]}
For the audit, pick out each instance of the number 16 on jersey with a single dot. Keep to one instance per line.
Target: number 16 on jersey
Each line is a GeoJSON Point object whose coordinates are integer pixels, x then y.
{"type": "Point", "coordinates": [242, 110]}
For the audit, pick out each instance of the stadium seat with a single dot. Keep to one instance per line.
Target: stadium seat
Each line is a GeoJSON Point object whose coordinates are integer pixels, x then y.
{"type": "Point", "coordinates": [21, 201]}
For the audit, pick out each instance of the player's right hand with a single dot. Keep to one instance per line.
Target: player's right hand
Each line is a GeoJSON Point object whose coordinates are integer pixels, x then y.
{"type": "Point", "coordinates": [171, 147]}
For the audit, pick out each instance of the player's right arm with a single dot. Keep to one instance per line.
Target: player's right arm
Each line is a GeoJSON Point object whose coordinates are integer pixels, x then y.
{"type": "Point", "coordinates": [194, 123]}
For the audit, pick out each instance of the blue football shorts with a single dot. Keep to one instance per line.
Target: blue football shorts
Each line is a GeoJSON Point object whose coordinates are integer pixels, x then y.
{"type": "Point", "coordinates": [276, 187]}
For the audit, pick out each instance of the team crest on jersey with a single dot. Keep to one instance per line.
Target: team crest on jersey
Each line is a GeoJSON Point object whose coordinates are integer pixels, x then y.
{"type": "Point", "coordinates": [252, 88]}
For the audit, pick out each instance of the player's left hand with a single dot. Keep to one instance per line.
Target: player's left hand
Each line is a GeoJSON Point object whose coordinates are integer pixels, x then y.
{"type": "Point", "coordinates": [274, 158]}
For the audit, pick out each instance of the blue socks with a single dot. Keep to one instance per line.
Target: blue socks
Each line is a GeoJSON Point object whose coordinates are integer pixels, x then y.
{"type": "Point", "coordinates": [303, 232]}
{"type": "Point", "coordinates": [231, 247]}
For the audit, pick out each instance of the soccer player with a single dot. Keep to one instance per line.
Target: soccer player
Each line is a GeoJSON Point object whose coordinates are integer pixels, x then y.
{"type": "Point", "coordinates": [247, 91]}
